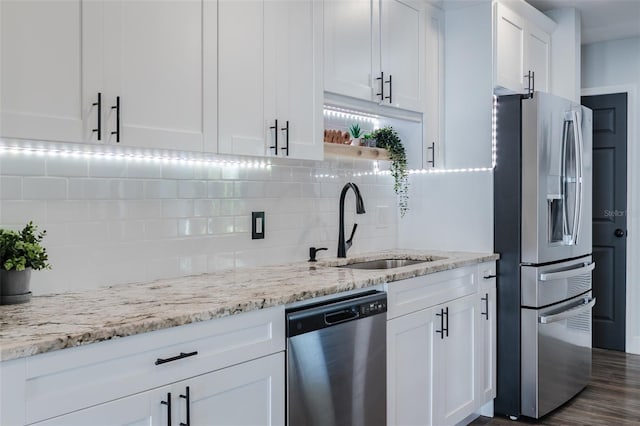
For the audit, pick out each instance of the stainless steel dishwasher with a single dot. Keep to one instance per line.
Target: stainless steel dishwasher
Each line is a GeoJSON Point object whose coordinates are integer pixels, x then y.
{"type": "Point", "coordinates": [336, 362]}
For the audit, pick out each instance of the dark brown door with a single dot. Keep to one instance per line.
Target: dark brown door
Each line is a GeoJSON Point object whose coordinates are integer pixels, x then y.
{"type": "Point", "coordinates": [609, 218]}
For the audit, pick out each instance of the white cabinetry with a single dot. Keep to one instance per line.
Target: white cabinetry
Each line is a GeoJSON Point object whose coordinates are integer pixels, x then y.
{"type": "Point", "coordinates": [486, 352]}
{"type": "Point", "coordinates": [375, 51]}
{"type": "Point", "coordinates": [433, 121]}
{"type": "Point", "coordinates": [270, 78]}
{"type": "Point", "coordinates": [520, 47]}
{"type": "Point", "coordinates": [45, 68]}
{"type": "Point", "coordinates": [128, 72]}
{"type": "Point", "coordinates": [435, 331]}
{"type": "Point", "coordinates": [232, 365]}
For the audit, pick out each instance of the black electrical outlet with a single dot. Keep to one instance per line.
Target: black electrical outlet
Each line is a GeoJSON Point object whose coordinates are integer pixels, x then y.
{"type": "Point", "coordinates": [257, 225]}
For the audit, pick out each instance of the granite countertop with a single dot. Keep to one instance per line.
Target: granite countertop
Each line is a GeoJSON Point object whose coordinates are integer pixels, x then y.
{"type": "Point", "coordinates": [59, 321]}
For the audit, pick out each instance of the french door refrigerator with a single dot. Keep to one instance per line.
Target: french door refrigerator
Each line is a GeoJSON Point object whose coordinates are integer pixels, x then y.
{"type": "Point", "coordinates": [542, 230]}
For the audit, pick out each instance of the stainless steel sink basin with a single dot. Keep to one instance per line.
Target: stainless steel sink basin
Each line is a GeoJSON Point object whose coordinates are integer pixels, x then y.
{"type": "Point", "coordinates": [388, 263]}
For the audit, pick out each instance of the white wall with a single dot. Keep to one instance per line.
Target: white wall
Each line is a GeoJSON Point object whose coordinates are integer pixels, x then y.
{"type": "Point", "coordinates": [612, 67]}
{"type": "Point", "coordinates": [449, 211]}
{"type": "Point", "coordinates": [118, 221]}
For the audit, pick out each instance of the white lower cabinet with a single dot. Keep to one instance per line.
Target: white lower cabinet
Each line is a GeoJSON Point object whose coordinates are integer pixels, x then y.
{"type": "Point", "coordinates": [251, 393]}
{"type": "Point", "coordinates": [440, 359]}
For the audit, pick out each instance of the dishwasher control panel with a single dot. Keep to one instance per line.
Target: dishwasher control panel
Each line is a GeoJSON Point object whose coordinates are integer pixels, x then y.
{"type": "Point", "coordinates": [373, 308]}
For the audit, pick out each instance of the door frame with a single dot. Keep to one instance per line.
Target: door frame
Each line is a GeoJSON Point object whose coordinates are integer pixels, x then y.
{"type": "Point", "coordinates": [632, 338]}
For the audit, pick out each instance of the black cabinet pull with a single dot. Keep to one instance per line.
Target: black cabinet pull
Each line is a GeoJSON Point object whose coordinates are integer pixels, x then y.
{"type": "Point", "coordinates": [441, 331]}
{"type": "Point", "coordinates": [381, 94]}
{"type": "Point", "coordinates": [446, 314]}
{"type": "Point", "coordinates": [286, 147]}
{"type": "Point", "coordinates": [188, 402]}
{"type": "Point", "coordinates": [275, 131]}
{"type": "Point", "coordinates": [117, 108]}
{"type": "Point", "coordinates": [390, 90]}
{"type": "Point", "coordinates": [488, 277]}
{"type": "Point", "coordinates": [98, 104]}
{"type": "Point", "coordinates": [485, 299]}
{"type": "Point", "coordinates": [531, 83]}
{"type": "Point", "coordinates": [168, 404]}
{"type": "Point", "coordinates": [433, 154]}
{"type": "Point", "coordinates": [175, 358]}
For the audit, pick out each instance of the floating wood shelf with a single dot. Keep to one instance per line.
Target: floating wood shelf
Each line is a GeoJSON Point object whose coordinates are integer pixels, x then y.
{"type": "Point", "coordinates": [362, 152]}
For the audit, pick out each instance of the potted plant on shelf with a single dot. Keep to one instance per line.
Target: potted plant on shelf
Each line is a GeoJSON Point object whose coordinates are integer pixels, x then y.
{"type": "Point", "coordinates": [356, 132]}
{"type": "Point", "coordinates": [20, 253]}
{"type": "Point", "coordinates": [388, 139]}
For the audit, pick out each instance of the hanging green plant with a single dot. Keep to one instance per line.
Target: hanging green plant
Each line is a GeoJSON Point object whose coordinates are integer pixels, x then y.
{"type": "Point", "coordinates": [387, 138]}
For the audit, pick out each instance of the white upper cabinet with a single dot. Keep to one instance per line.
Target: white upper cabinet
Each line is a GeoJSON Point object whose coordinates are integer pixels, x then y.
{"type": "Point", "coordinates": [127, 72]}
{"type": "Point", "coordinates": [521, 47]}
{"type": "Point", "coordinates": [154, 64]}
{"type": "Point", "coordinates": [45, 68]}
{"type": "Point", "coordinates": [433, 122]}
{"type": "Point", "coordinates": [375, 50]}
{"type": "Point", "coordinates": [270, 74]}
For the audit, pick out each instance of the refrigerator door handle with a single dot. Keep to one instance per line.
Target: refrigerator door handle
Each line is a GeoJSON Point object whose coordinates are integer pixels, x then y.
{"type": "Point", "coordinates": [571, 312]}
{"type": "Point", "coordinates": [550, 276]}
{"type": "Point", "coordinates": [563, 177]}
{"type": "Point", "coordinates": [577, 126]}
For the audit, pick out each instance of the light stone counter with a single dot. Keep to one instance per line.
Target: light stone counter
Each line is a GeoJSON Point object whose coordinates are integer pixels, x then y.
{"type": "Point", "coordinates": [48, 323]}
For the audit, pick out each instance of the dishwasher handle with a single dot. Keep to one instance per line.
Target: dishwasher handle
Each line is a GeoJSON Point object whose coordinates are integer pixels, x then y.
{"type": "Point", "coordinates": [342, 315]}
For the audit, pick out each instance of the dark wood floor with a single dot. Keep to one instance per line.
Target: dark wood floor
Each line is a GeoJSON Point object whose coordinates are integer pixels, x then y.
{"type": "Point", "coordinates": [611, 398]}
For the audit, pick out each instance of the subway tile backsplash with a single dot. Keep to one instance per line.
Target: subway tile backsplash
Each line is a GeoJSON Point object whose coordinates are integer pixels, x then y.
{"type": "Point", "coordinates": [120, 221]}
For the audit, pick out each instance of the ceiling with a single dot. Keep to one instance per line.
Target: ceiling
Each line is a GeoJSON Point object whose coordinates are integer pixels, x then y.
{"type": "Point", "coordinates": [601, 19]}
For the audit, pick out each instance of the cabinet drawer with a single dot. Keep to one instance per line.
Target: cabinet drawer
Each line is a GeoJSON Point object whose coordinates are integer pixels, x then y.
{"type": "Point", "coordinates": [63, 381]}
{"type": "Point", "coordinates": [417, 293]}
{"type": "Point", "coordinates": [487, 275]}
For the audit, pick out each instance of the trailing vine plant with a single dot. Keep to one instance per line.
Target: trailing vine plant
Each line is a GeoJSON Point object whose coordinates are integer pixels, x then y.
{"type": "Point", "coordinates": [388, 139]}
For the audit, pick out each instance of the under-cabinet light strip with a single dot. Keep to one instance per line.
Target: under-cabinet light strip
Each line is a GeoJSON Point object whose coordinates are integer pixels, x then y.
{"type": "Point", "coordinates": [164, 159]}
{"type": "Point", "coordinates": [331, 111]}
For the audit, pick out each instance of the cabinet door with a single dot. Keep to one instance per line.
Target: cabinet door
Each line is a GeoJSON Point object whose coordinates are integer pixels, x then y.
{"type": "Point", "coordinates": [455, 361]}
{"type": "Point", "coordinates": [538, 51]}
{"type": "Point", "coordinates": [153, 58]}
{"type": "Point", "coordinates": [141, 409]}
{"type": "Point", "coordinates": [243, 126]}
{"type": "Point", "coordinates": [434, 97]}
{"type": "Point", "coordinates": [410, 363]}
{"type": "Point", "coordinates": [293, 59]}
{"type": "Point", "coordinates": [49, 69]}
{"type": "Point", "coordinates": [251, 393]}
{"type": "Point", "coordinates": [351, 48]}
{"type": "Point", "coordinates": [487, 346]}
{"type": "Point", "coordinates": [509, 50]}
{"type": "Point", "coordinates": [402, 53]}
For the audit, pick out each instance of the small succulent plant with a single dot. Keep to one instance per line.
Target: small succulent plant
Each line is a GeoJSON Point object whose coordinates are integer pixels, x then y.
{"type": "Point", "coordinates": [355, 130]}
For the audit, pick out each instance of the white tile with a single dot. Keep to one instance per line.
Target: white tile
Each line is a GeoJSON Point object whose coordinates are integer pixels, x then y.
{"type": "Point", "coordinates": [220, 225]}
{"type": "Point", "coordinates": [67, 166]}
{"type": "Point", "coordinates": [123, 231]}
{"type": "Point", "coordinates": [242, 224]}
{"type": "Point", "coordinates": [206, 207]}
{"type": "Point", "coordinates": [192, 265]}
{"type": "Point", "coordinates": [156, 229]}
{"type": "Point", "coordinates": [44, 188]}
{"type": "Point", "coordinates": [220, 189]}
{"type": "Point", "coordinates": [21, 212]}
{"type": "Point", "coordinates": [67, 211]}
{"type": "Point", "coordinates": [177, 171]}
{"type": "Point", "coordinates": [193, 226]}
{"type": "Point", "coordinates": [139, 209]}
{"type": "Point", "coordinates": [177, 208]}
{"type": "Point", "coordinates": [10, 188]}
{"type": "Point", "coordinates": [21, 165]}
{"type": "Point", "coordinates": [220, 262]}
{"type": "Point", "coordinates": [192, 189]}
{"type": "Point", "coordinates": [161, 189]}
{"type": "Point", "coordinates": [108, 168]}
{"type": "Point", "coordinates": [87, 233]}
{"type": "Point", "coordinates": [127, 189]}
{"type": "Point", "coordinates": [144, 169]}
{"type": "Point", "coordinates": [89, 189]}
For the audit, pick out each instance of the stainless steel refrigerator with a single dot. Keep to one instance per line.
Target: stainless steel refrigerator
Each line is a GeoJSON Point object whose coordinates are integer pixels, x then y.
{"type": "Point", "coordinates": [542, 230]}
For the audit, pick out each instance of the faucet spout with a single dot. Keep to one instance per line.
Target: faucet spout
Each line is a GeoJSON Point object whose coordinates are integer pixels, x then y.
{"type": "Point", "coordinates": [343, 245]}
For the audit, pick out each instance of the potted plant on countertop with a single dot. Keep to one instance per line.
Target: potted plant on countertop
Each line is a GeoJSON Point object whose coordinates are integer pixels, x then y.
{"type": "Point", "coordinates": [356, 132]}
{"type": "Point", "coordinates": [20, 253]}
{"type": "Point", "coordinates": [388, 139]}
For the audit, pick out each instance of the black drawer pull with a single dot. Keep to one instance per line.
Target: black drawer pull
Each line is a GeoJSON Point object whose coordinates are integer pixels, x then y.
{"type": "Point", "coordinates": [175, 358]}
{"type": "Point", "coordinates": [488, 277]}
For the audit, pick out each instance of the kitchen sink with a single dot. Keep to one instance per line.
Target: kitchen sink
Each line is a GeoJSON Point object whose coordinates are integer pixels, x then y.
{"type": "Point", "coordinates": [389, 263]}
